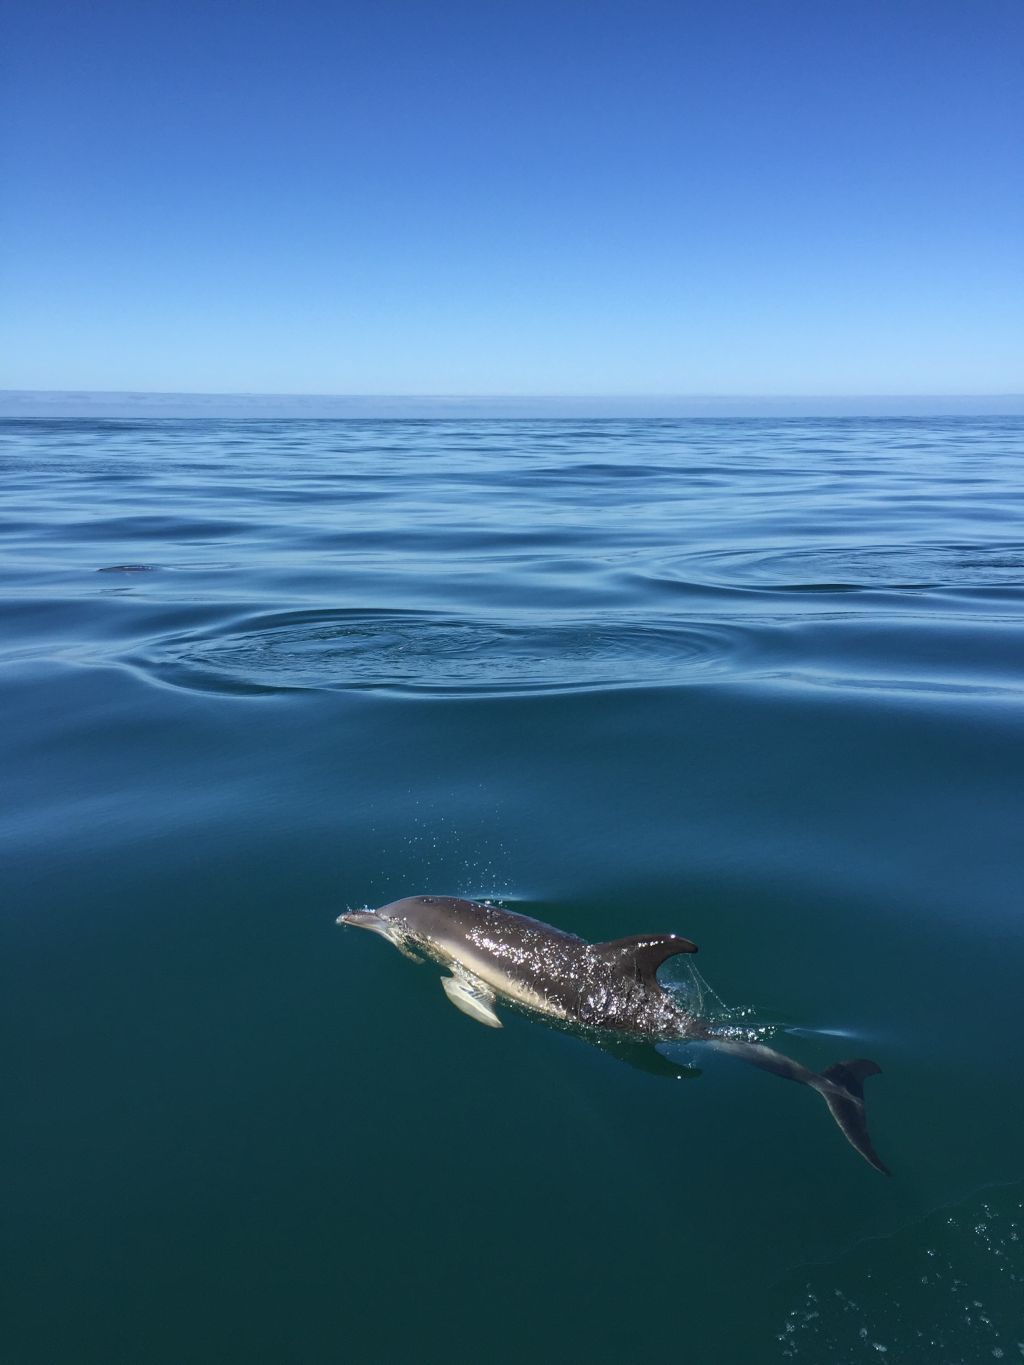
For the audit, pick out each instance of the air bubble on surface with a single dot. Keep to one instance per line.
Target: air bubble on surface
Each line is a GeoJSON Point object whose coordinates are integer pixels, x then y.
{"type": "Point", "coordinates": [952, 1290]}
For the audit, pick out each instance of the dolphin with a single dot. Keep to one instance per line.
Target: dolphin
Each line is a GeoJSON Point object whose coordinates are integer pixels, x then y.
{"type": "Point", "coordinates": [608, 991]}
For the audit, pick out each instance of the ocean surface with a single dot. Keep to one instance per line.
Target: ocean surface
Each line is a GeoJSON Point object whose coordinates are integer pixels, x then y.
{"type": "Point", "coordinates": [757, 682]}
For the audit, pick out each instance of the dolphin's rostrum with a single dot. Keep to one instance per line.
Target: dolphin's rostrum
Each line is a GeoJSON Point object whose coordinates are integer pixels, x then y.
{"type": "Point", "coordinates": [609, 990]}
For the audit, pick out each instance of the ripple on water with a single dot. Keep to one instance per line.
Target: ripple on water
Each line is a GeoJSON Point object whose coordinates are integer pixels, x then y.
{"type": "Point", "coordinates": [423, 652]}
{"type": "Point", "coordinates": [851, 568]}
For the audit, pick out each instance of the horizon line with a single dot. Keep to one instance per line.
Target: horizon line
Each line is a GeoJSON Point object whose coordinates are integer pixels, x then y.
{"type": "Point", "coordinates": [625, 395]}
{"type": "Point", "coordinates": [170, 403]}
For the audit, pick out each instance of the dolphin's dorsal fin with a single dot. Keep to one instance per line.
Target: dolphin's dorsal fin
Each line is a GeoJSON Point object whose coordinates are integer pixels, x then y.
{"type": "Point", "coordinates": [642, 954]}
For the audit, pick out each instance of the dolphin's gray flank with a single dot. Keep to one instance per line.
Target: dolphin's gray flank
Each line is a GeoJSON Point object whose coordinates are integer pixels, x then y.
{"type": "Point", "coordinates": [610, 990]}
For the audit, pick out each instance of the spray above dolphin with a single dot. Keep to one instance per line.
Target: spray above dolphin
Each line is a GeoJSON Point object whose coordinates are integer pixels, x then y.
{"type": "Point", "coordinates": [610, 991]}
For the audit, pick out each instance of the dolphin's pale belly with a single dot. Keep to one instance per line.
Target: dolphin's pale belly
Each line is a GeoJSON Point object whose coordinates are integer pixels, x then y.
{"type": "Point", "coordinates": [560, 977]}
{"type": "Point", "coordinates": [503, 971]}
{"type": "Point", "coordinates": [517, 990]}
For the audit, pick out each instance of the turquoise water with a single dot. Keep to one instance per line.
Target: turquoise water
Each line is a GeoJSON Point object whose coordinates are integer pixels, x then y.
{"type": "Point", "coordinates": [759, 683]}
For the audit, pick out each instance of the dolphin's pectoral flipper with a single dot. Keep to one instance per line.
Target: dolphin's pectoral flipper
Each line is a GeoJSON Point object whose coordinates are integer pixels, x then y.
{"type": "Point", "coordinates": [641, 955]}
{"type": "Point", "coordinates": [472, 997]}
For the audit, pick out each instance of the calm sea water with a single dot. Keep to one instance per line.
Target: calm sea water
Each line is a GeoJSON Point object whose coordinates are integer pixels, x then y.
{"type": "Point", "coordinates": [760, 683]}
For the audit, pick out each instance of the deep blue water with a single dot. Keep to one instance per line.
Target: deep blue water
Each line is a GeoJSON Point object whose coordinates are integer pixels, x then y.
{"type": "Point", "coordinates": [760, 683]}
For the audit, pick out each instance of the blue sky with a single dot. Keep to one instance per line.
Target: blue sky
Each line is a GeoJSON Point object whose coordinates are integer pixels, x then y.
{"type": "Point", "coordinates": [504, 197]}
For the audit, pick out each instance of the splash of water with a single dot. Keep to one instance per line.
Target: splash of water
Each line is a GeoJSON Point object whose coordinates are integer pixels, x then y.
{"type": "Point", "coordinates": [693, 993]}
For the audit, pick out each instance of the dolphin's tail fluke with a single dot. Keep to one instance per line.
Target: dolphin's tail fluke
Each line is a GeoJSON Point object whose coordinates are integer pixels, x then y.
{"type": "Point", "coordinates": [841, 1087]}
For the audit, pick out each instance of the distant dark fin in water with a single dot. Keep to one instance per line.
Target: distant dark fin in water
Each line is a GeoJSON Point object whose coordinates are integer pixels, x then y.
{"type": "Point", "coordinates": [643, 954]}
{"type": "Point", "coordinates": [841, 1087]}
